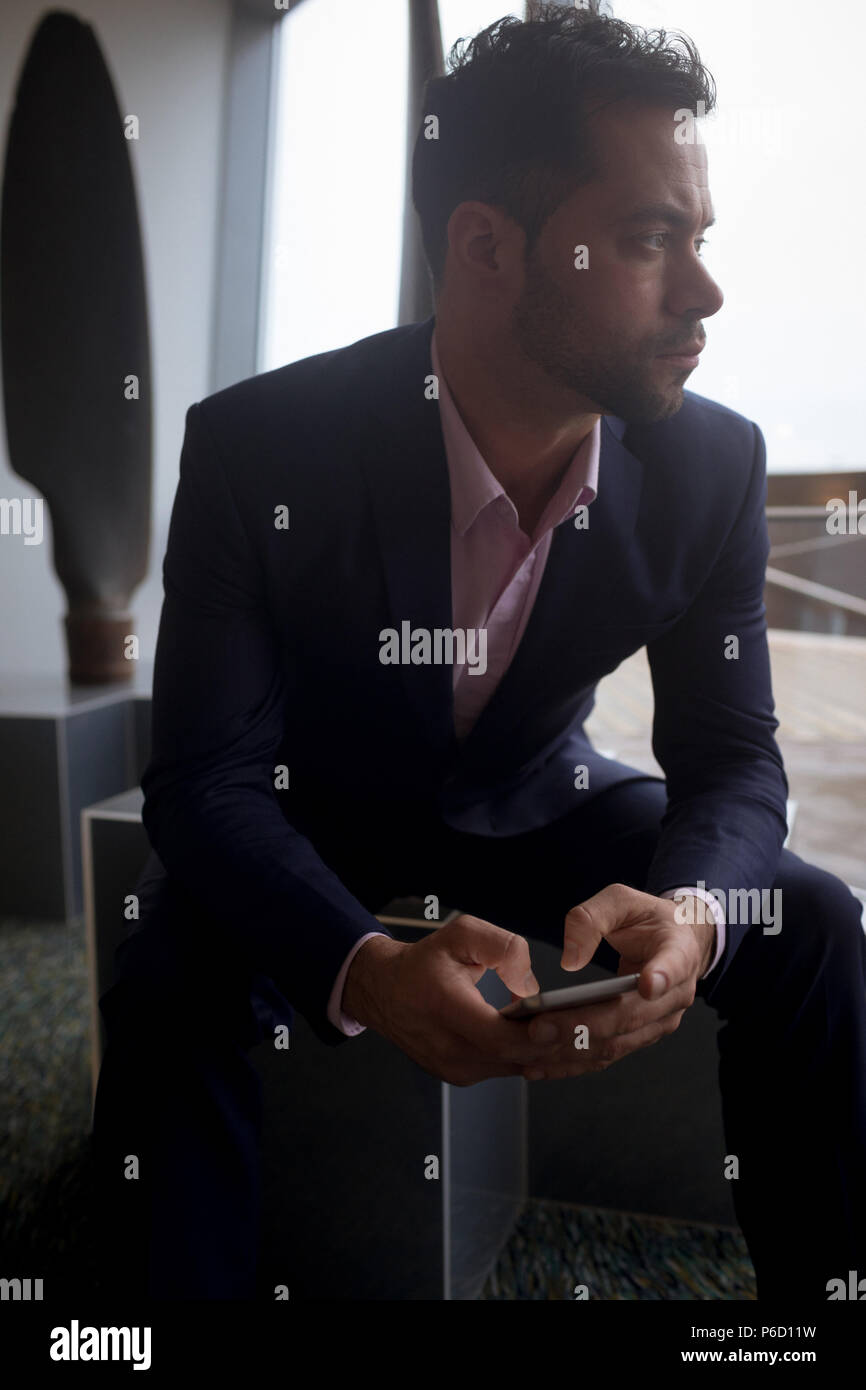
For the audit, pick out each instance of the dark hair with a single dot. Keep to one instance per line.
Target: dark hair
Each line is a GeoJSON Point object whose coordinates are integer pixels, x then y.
{"type": "Point", "coordinates": [513, 112]}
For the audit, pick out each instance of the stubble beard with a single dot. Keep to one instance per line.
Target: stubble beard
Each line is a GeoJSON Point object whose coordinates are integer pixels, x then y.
{"type": "Point", "coordinates": [548, 329]}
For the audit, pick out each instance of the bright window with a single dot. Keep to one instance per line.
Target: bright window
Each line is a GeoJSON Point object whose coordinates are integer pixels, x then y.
{"type": "Point", "coordinates": [784, 153]}
{"type": "Point", "coordinates": [332, 262]}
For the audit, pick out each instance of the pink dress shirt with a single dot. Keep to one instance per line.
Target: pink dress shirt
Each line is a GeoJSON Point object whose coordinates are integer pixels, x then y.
{"type": "Point", "coordinates": [496, 571]}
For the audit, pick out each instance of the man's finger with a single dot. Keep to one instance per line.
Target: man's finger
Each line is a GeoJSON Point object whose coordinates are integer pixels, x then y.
{"type": "Point", "coordinates": [565, 1061]}
{"type": "Point", "coordinates": [474, 942]}
{"type": "Point", "coordinates": [617, 910]}
{"type": "Point", "coordinates": [598, 916]}
{"type": "Point", "coordinates": [580, 939]}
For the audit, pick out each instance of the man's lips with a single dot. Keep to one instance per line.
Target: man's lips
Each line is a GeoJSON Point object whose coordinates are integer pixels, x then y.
{"type": "Point", "coordinates": [689, 356]}
{"type": "Point", "coordinates": [690, 350]}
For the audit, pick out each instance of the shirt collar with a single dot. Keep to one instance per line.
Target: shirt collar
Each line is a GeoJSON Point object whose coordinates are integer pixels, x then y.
{"type": "Point", "coordinates": [473, 486]}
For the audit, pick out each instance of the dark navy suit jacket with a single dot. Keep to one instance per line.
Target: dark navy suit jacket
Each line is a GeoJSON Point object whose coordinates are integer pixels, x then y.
{"type": "Point", "coordinates": [268, 652]}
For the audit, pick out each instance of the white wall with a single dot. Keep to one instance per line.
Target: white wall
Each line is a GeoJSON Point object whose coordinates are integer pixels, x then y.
{"type": "Point", "coordinates": [167, 63]}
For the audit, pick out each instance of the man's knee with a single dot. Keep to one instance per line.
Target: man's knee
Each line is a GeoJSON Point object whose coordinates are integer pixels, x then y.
{"type": "Point", "coordinates": [199, 1006]}
{"type": "Point", "coordinates": [817, 914]}
{"type": "Point", "coordinates": [809, 926]}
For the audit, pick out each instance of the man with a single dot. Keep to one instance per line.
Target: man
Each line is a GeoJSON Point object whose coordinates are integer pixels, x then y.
{"type": "Point", "coordinates": [394, 576]}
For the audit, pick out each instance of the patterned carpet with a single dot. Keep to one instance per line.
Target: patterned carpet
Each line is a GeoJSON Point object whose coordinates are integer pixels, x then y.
{"type": "Point", "coordinates": [555, 1248]}
{"type": "Point", "coordinates": [44, 1054]}
{"type": "Point", "coordinates": [45, 1172]}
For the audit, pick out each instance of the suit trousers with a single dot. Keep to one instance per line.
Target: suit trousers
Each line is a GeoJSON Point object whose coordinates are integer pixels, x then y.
{"type": "Point", "coordinates": [179, 1101]}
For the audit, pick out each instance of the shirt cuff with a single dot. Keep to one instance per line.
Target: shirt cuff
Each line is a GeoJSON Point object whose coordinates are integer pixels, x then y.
{"type": "Point", "coordinates": [344, 1022]}
{"type": "Point", "coordinates": [716, 908]}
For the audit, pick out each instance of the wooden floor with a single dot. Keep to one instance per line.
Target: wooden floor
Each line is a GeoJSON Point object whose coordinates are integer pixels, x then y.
{"type": "Point", "coordinates": [819, 684]}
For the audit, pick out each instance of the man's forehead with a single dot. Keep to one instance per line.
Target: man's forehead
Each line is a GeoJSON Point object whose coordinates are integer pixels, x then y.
{"type": "Point", "coordinates": [631, 132]}
{"type": "Point", "coordinates": [642, 164]}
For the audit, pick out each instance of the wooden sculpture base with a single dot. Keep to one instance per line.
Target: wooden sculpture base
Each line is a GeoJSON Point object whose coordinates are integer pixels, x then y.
{"type": "Point", "coordinates": [100, 647]}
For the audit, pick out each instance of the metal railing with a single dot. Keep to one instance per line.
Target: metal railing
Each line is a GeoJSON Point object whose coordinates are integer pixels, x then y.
{"type": "Point", "coordinates": [834, 598]}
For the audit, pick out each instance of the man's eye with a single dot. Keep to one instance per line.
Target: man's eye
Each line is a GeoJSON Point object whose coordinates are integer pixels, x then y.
{"type": "Point", "coordinates": [700, 242]}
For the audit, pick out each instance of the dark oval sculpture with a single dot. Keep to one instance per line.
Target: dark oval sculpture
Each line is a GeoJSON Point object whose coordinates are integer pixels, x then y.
{"type": "Point", "coordinates": [73, 314]}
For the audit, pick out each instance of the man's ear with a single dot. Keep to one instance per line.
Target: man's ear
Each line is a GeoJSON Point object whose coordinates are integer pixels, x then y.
{"type": "Point", "coordinates": [484, 241]}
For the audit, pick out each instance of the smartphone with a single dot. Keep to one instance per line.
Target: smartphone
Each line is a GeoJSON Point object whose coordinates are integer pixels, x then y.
{"type": "Point", "coordinates": [570, 998]}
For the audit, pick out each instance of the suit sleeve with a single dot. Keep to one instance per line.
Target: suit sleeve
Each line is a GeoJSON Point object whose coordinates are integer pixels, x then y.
{"type": "Point", "coordinates": [210, 809]}
{"type": "Point", "coordinates": [714, 725]}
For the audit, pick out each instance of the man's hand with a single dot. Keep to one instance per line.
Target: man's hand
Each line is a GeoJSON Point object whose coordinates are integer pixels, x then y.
{"type": "Point", "coordinates": [423, 997]}
{"type": "Point", "coordinates": [670, 957]}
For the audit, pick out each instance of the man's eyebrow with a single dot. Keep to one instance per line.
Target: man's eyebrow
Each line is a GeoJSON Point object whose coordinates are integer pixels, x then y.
{"type": "Point", "coordinates": [662, 212]}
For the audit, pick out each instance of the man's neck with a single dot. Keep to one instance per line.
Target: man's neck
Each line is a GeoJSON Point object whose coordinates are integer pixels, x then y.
{"type": "Point", "coordinates": [524, 427]}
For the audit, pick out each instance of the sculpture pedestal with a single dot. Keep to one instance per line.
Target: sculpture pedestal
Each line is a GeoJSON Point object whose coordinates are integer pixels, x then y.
{"type": "Point", "coordinates": [62, 747]}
